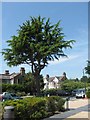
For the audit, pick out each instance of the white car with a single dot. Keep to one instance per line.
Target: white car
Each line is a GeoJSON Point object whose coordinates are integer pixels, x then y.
{"type": "Point", "coordinates": [80, 94]}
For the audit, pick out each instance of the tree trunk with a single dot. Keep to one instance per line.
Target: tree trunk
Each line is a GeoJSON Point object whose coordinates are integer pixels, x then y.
{"type": "Point", "coordinates": [37, 79]}
{"type": "Point", "coordinates": [36, 74]}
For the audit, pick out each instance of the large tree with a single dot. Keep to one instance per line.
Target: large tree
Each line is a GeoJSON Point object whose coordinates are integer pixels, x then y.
{"type": "Point", "coordinates": [37, 42]}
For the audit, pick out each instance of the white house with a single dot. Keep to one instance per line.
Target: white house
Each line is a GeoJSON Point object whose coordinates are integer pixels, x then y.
{"type": "Point", "coordinates": [53, 82]}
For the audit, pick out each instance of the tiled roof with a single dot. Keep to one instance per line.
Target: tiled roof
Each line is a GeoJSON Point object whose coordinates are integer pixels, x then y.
{"type": "Point", "coordinates": [51, 78]}
{"type": "Point", "coordinates": [60, 78]}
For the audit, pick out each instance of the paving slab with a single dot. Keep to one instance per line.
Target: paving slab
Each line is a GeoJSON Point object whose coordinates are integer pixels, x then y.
{"type": "Point", "coordinates": [79, 109]}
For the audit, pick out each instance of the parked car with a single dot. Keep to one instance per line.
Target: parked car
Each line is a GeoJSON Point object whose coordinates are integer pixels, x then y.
{"type": "Point", "coordinates": [74, 92]}
{"type": "Point", "coordinates": [10, 96]}
{"type": "Point", "coordinates": [80, 93]}
{"type": "Point", "coordinates": [63, 93]}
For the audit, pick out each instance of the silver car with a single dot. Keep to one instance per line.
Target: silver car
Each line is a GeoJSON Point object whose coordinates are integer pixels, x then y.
{"type": "Point", "coordinates": [80, 94]}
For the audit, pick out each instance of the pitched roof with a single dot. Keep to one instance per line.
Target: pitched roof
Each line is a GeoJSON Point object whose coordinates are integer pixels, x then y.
{"type": "Point", "coordinates": [60, 78]}
{"type": "Point", "coordinates": [8, 76]}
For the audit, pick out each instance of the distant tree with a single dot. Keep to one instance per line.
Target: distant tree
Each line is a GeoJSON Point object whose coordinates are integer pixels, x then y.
{"type": "Point", "coordinates": [30, 84]}
{"type": "Point", "coordinates": [84, 79]}
{"type": "Point", "coordinates": [77, 80]}
{"type": "Point", "coordinates": [87, 68]}
{"type": "Point", "coordinates": [70, 85]}
{"type": "Point", "coordinates": [36, 43]}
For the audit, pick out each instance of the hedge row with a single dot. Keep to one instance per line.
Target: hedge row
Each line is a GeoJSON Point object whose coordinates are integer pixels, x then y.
{"type": "Point", "coordinates": [88, 93]}
{"type": "Point", "coordinates": [36, 107]}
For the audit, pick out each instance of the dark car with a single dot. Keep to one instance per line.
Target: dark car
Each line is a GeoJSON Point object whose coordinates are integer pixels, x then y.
{"type": "Point", "coordinates": [10, 96]}
{"type": "Point", "coordinates": [74, 92]}
{"type": "Point", "coordinates": [63, 93]}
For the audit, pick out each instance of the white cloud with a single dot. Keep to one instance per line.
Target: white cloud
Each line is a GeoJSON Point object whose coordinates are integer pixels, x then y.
{"type": "Point", "coordinates": [71, 57]}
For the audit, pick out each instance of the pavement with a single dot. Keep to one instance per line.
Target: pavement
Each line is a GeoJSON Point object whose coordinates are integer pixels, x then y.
{"type": "Point", "coordinates": [78, 109]}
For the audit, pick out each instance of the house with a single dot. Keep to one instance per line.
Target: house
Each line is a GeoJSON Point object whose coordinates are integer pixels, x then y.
{"type": "Point", "coordinates": [54, 82]}
{"type": "Point", "coordinates": [13, 78]}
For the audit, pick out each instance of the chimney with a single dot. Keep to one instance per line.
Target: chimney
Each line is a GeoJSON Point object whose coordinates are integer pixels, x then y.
{"type": "Point", "coordinates": [22, 71]}
{"type": "Point", "coordinates": [64, 75]}
{"type": "Point", "coordinates": [7, 72]}
{"type": "Point", "coordinates": [47, 77]}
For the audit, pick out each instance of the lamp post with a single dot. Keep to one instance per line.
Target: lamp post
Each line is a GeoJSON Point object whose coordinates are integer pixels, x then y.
{"type": "Point", "coordinates": [84, 79]}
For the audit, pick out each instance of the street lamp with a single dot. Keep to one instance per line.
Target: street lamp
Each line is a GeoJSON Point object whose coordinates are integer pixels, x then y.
{"type": "Point", "coordinates": [84, 79]}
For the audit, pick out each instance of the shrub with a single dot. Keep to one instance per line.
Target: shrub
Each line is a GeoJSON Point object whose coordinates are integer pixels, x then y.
{"type": "Point", "coordinates": [35, 107]}
{"type": "Point", "coordinates": [21, 94]}
{"type": "Point", "coordinates": [88, 93]}
{"type": "Point", "coordinates": [12, 88]}
{"type": "Point", "coordinates": [70, 85]}
{"type": "Point", "coordinates": [28, 108]}
{"type": "Point", "coordinates": [50, 92]}
{"type": "Point", "coordinates": [55, 103]}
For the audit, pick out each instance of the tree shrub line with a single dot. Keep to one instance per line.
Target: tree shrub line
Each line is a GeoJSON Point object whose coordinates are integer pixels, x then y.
{"type": "Point", "coordinates": [88, 93]}
{"type": "Point", "coordinates": [12, 88]}
{"type": "Point", "coordinates": [36, 107]}
{"type": "Point", "coordinates": [70, 85]}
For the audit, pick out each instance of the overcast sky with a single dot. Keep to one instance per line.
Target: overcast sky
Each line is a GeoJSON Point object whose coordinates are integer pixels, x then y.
{"type": "Point", "coordinates": [74, 20]}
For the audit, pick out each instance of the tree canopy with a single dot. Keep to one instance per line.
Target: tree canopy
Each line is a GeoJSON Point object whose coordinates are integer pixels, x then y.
{"type": "Point", "coordinates": [87, 68]}
{"type": "Point", "coordinates": [37, 42]}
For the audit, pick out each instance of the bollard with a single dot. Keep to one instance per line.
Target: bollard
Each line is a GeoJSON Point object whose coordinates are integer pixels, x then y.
{"type": "Point", "coordinates": [8, 113]}
{"type": "Point", "coordinates": [67, 103]}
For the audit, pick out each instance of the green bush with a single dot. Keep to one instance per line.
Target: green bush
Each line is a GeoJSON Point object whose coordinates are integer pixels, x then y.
{"type": "Point", "coordinates": [70, 85]}
{"type": "Point", "coordinates": [28, 108]}
{"type": "Point", "coordinates": [21, 94]}
{"type": "Point", "coordinates": [55, 103]}
{"type": "Point", "coordinates": [35, 107]}
{"type": "Point", "coordinates": [12, 88]}
{"type": "Point", "coordinates": [88, 93]}
{"type": "Point", "coordinates": [50, 92]}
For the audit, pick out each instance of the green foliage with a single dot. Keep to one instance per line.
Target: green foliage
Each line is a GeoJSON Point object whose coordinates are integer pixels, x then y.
{"type": "Point", "coordinates": [30, 85]}
{"type": "Point", "coordinates": [36, 38]}
{"type": "Point", "coordinates": [88, 93]}
{"type": "Point", "coordinates": [55, 103]}
{"type": "Point", "coordinates": [50, 92]}
{"type": "Point", "coordinates": [37, 42]}
{"type": "Point", "coordinates": [12, 88]}
{"type": "Point", "coordinates": [88, 68]}
{"type": "Point", "coordinates": [29, 108]}
{"type": "Point", "coordinates": [85, 79]}
{"type": "Point", "coordinates": [35, 107]}
{"type": "Point", "coordinates": [70, 85]}
{"type": "Point", "coordinates": [21, 94]}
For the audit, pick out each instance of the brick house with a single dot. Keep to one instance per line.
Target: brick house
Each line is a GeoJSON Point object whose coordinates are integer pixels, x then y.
{"type": "Point", "coordinates": [13, 78]}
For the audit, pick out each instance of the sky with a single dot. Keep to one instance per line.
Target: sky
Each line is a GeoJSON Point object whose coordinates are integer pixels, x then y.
{"type": "Point", "coordinates": [74, 21]}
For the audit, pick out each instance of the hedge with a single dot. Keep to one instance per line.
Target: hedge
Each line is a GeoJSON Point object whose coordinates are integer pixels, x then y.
{"type": "Point", "coordinates": [35, 107]}
{"type": "Point", "coordinates": [88, 93]}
